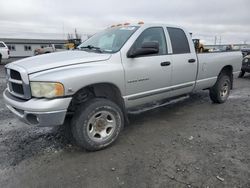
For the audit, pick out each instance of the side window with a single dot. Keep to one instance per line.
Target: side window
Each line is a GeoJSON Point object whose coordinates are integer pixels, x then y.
{"type": "Point", "coordinates": [150, 35]}
{"type": "Point", "coordinates": [27, 48]}
{"type": "Point", "coordinates": [58, 46]}
{"type": "Point", "coordinates": [12, 47]}
{"type": "Point", "coordinates": [179, 41]}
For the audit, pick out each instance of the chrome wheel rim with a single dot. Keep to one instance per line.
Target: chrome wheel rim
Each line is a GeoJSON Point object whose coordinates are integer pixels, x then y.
{"type": "Point", "coordinates": [101, 126]}
{"type": "Point", "coordinates": [224, 90]}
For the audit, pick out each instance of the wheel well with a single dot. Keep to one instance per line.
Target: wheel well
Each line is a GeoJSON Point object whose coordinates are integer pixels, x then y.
{"type": "Point", "coordinates": [100, 90]}
{"type": "Point", "coordinates": [228, 70]}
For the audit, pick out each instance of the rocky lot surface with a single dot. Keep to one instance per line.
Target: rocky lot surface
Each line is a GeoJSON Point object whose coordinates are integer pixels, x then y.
{"type": "Point", "coordinates": [191, 143]}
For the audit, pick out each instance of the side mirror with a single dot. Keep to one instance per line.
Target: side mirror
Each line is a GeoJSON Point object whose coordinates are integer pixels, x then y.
{"type": "Point", "coordinates": [147, 48]}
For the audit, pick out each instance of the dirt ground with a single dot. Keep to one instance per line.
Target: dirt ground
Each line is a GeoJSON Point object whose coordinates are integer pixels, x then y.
{"type": "Point", "coordinates": [191, 143]}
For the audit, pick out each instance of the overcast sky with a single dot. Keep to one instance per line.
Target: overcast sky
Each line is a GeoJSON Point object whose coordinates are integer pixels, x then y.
{"type": "Point", "coordinates": [206, 19]}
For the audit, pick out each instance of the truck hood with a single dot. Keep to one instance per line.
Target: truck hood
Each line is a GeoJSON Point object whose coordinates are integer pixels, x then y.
{"type": "Point", "coordinates": [58, 59]}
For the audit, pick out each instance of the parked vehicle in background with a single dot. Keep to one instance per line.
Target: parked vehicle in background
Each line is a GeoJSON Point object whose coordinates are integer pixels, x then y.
{"type": "Point", "coordinates": [112, 73]}
{"type": "Point", "coordinates": [49, 49]}
{"type": "Point", "coordinates": [245, 51]}
{"type": "Point", "coordinates": [4, 51]}
{"type": "Point", "coordinates": [245, 66]}
{"type": "Point", "coordinates": [214, 50]}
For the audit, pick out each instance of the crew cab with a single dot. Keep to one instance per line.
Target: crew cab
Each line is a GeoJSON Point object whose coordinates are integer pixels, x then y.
{"type": "Point", "coordinates": [113, 72]}
{"type": "Point", "coordinates": [4, 51]}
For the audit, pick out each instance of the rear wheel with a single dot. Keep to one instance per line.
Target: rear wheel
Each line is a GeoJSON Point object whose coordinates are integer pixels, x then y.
{"type": "Point", "coordinates": [97, 124]}
{"type": "Point", "coordinates": [220, 91]}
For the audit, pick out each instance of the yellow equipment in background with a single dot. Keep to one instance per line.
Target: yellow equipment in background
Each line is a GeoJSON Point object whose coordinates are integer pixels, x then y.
{"type": "Point", "coordinates": [72, 44]}
{"type": "Point", "coordinates": [199, 47]}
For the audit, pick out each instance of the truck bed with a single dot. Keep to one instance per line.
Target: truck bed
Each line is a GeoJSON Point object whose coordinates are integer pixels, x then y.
{"type": "Point", "coordinates": [211, 63]}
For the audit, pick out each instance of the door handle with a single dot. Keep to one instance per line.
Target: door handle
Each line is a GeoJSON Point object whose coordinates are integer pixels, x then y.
{"type": "Point", "coordinates": [191, 60]}
{"type": "Point", "coordinates": [166, 63]}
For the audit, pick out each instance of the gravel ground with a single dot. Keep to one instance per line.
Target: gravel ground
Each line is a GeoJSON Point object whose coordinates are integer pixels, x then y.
{"type": "Point", "coordinates": [191, 143]}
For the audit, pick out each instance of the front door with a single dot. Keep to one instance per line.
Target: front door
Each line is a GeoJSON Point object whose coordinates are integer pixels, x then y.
{"type": "Point", "coordinates": [148, 77]}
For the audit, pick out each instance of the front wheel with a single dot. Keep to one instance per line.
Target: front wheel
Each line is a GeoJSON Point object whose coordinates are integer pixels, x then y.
{"type": "Point", "coordinates": [97, 124]}
{"type": "Point", "coordinates": [220, 91]}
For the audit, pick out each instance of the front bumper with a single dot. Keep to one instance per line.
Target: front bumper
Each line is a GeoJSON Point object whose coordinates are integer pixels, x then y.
{"type": "Point", "coordinates": [39, 112]}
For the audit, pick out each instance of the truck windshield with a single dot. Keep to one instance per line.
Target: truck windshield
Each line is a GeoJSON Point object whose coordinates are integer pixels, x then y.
{"type": "Point", "coordinates": [110, 40]}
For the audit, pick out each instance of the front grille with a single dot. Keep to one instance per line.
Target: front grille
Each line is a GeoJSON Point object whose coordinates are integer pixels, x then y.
{"type": "Point", "coordinates": [15, 75]}
{"type": "Point", "coordinates": [18, 83]}
{"type": "Point", "coordinates": [17, 88]}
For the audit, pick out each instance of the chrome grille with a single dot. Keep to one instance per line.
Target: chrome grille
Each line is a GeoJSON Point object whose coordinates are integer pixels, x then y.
{"type": "Point", "coordinates": [18, 82]}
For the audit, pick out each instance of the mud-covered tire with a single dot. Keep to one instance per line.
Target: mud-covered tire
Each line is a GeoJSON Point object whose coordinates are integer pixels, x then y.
{"type": "Point", "coordinates": [221, 90]}
{"type": "Point", "coordinates": [94, 117]}
{"type": "Point", "coordinates": [242, 73]}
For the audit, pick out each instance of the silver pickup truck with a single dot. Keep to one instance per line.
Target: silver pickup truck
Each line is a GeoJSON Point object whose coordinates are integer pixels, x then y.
{"type": "Point", "coordinates": [114, 71]}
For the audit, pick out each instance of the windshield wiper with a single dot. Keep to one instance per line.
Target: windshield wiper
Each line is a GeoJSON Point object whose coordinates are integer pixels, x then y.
{"type": "Point", "coordinates": [92, 47]}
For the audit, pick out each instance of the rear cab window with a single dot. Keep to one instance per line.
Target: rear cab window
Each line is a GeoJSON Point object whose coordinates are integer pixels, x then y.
{"type": "Point", "coordinates": [178, 40]}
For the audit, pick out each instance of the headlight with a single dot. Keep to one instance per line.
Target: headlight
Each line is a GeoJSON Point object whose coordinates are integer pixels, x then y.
{"type": "Point", "coordinates": [47, 89]}
{"type": "Point", "coordinates": [246, 60]}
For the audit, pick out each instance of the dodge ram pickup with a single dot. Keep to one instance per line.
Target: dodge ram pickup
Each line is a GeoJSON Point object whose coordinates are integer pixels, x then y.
{"type": "Point", "coordinates": [111, 73]}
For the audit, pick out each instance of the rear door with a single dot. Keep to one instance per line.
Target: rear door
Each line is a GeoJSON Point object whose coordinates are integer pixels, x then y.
{"type": "Point", "coordinates": [184, 61]}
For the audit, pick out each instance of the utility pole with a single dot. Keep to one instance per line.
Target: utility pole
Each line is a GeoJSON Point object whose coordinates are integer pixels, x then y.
{"type": "Point", "coordinates": [215, 40]}
{"type": "Point", "coordinates": [63, 31]}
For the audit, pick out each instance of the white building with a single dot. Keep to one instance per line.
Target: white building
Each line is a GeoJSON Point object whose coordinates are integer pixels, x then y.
{"type": "Point", "coordinates": [20, 48]}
